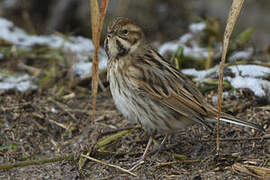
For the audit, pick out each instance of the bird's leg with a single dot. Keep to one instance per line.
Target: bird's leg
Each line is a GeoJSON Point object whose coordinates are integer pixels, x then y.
{"type": "Point", "coordinates": [141, 160]}
{"type": "Point", "coordinates": [150, 141]}
{"type": "Point", "coordinates": [162, 144]}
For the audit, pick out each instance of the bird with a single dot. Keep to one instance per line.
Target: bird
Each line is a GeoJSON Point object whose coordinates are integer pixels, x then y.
{"type": "Point", "coordinates": [150, 91]}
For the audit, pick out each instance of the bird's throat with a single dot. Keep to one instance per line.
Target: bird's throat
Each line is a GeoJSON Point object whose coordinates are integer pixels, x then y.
{"type": "Point", "coordinates": [122, 50]}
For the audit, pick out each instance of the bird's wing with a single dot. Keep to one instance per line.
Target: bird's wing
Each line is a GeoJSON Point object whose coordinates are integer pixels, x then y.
{"type": "Point", "coordinates": [151, 75]}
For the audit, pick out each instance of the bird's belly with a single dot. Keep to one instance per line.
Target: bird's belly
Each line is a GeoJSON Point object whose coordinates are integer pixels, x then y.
{"type": "Point", "coordinates": [149, 112]}
{"type": "Point", "coordinates": [124, 106]}
{"type": "Point", "coordinates": [152, 117]}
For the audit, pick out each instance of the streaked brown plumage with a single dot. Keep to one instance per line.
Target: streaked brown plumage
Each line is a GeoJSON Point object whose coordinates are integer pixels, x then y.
{"type": "Point", "coordinates": [149, 90]}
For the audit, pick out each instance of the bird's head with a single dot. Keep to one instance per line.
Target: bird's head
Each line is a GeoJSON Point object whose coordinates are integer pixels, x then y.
{"type": "Point", "coordinates": [123, 37]}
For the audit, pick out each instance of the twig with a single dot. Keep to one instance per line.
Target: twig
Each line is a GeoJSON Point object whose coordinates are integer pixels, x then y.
{"type": "Point", "coordinates": [112, 138]}
{"type": "Point", "coordinates": [175, 162]}
{"type": "Point", "coordinates": [61, 106]}
{"type": "Point", "coordinates": [97, 17]}
{"type": "Point", "coordinates": [119, 129]}
{"type": "Point", "coordinates": [32, 70]}
{"type": "Point", "coordinates": [239, 139]}
{"type": "Point", "coordinates": [68, 127]}
{"type": "Point", "coordinates": [82, 161]}
{"type": "Point", "coordinates": [232, 17]}
{"type": "Point", "coordinates": [111, 165]}
{"type": "Point", "coordinates": [33, 162]}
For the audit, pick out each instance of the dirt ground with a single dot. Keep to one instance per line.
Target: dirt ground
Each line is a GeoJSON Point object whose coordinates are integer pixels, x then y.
{"type": "Point", "coordinates": [38, 126]}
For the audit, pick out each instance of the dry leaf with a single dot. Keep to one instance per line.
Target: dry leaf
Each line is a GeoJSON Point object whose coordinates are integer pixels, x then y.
{"type": "Point", "coordinates": [259, 172]}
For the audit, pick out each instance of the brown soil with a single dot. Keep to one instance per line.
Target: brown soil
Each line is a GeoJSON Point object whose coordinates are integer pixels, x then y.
{"type": "Point", "coordinates": [30, 130]}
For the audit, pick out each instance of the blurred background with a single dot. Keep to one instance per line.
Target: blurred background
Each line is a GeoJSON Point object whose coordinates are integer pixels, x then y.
{"type": "Point", "coordinates": [163, 20]}
{"type": "Point", "coordinates": [45, 87]}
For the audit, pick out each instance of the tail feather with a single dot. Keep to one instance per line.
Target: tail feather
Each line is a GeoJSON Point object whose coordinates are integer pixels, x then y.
{"type": "Point", "coordinates": [236, 121]}
{"type": "Point", "coordinates": [242, 123]}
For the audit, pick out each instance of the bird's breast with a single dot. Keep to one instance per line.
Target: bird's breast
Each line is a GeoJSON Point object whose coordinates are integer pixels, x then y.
{"type": "Point", "coordinates": [121, 95]}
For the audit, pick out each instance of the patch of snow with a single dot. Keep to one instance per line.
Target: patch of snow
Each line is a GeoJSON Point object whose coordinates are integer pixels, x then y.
{"type": "Point", "coordinates": [189, 42]}
{"type": "Point", "coordinates": [169, 46]}
{"type": "Point", "coordinates": [202, 75]}
{"type": "Point", "coordinates": [215, 98]}
{"type": "Point", "coordinates": [185, 38]}
{"type": "Point", "coordinates": [21, 83]}
{"type": "Point", "coordinates": [196, 52]}
{"type": "Point", "coordinates": [81, 47]}
{"type": "Point", "coordinates": [1, 56]}
{"type": "Point", "coordinates": [197, 27]}
{"type": "Point", "coordinates": [241, 55]}
{"type": "Point", "coordinates": [246, 76]}
{"type": "Point", "coordinates": [258, 86]}
{"type": "Point", "coordinates": [77, 45]}
{"type": "Point", "coordinates": [84, 69]}
{"type": "Point", "coordinates": [25, 85]}
{"type": "Point", "coordinates": [250, 70]}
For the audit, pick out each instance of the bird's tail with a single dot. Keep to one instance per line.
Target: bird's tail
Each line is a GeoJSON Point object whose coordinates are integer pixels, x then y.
{"type": "Point", "coordinates": [233, 120]}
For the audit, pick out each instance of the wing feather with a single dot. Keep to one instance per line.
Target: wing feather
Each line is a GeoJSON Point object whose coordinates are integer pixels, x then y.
{"type": "Point", "coordinates": [154, 77]}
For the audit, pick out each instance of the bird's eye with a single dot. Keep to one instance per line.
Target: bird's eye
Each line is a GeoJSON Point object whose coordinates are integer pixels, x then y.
{"type": "Point", "coordinates": [125, 31]}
